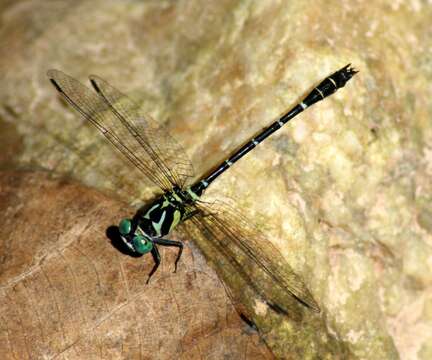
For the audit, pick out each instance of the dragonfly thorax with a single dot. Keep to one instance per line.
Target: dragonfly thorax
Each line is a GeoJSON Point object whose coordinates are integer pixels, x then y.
{"type": "Point", "coordinates": [156, 219]}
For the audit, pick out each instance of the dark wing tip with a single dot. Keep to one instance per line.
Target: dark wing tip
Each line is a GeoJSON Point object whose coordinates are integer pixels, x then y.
{"type": "Point", "coordinates": [57, 86]}
{"type": "Point", "coordinates": [52, 74]}
{"type": "Point", "coordinates": [308, 301]}
{"type": "Point", "coordinates": [93, 81]}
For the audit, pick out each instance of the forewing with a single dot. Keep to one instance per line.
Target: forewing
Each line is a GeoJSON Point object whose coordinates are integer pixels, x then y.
{"type": "Point", "coordinates": [168, 156]}
{"type": "Point", "coordinates": [252, 255]}
{"type": "Point", "coordinates": [123, 135]}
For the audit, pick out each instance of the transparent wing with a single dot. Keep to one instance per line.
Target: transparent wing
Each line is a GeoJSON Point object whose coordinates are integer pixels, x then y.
{"type": "Point", "coordinates": [86, 157]}
{"type": "Point", "coordinates": [252, 255]}
{"type": "Point", "coordinates": [149, 147]}
{"type": "Point", "coordinates": [166, 153]}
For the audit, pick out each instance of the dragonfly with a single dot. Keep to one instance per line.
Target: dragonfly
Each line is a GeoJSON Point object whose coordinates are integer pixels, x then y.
{"type": "Point", "coordinates": [157, 156]}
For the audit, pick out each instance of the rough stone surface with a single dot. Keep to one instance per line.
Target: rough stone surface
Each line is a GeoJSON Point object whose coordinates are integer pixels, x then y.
{"type": "Point", "coordinates": [344, 190]}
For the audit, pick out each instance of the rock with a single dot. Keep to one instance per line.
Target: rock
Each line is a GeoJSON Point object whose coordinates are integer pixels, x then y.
{"type": "Point", "coordinates": [343, 191]}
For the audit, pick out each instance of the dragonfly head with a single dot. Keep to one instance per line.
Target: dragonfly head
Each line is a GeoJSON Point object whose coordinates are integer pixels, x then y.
{"type": "Point", "coordinates": [135, 238]}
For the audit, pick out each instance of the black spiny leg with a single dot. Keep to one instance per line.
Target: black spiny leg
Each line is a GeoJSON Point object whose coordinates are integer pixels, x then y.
{"type": "Point", "coordinates": [157, 260]}
{"type": "Point", "coordinates": [178, 244]}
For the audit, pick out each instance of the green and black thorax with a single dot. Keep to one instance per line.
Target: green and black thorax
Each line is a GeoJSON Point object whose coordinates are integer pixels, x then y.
{"type": "Point", "coordinates": [165, 213]}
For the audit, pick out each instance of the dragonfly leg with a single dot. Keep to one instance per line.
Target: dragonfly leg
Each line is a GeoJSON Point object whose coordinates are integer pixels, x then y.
{"type": "Point", "coordinates": [157, 260]}
{"type": "Point", "coordinates": [165, 242]}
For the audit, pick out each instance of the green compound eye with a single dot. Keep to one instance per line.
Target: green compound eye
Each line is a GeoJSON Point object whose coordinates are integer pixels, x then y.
{"type": "Point", "coordinates": [141, 244]}
{"type": "Point", "coordinates": [125, 226]}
